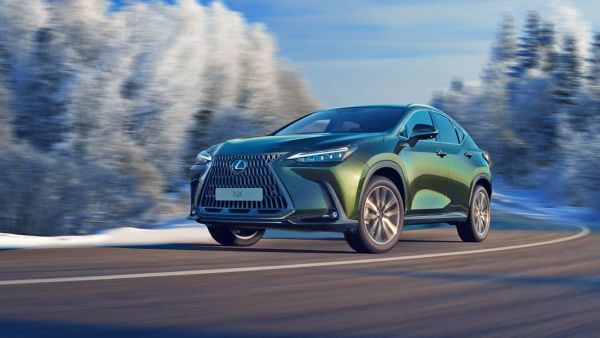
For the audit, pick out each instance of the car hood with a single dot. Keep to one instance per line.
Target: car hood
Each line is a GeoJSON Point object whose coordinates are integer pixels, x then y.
{"type": "Point", "coordinates": [295, 143]}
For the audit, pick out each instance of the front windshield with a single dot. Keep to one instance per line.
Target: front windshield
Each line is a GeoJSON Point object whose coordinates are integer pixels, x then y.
{"type": "Point", "coordinates": [347, 120]}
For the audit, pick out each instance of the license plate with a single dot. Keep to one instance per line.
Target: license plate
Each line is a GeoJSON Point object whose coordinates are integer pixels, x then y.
{"type": "Point", "coordinates": [238, 194]}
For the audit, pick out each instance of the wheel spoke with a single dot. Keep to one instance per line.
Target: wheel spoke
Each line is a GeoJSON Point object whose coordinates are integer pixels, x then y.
{"type": "Point", "coordinates": [390, 229]}
{"type": "Point", "coordinates": [382, 197]}
{"type": "Point", "coordinates": [370, 205]}
{"type": "Point", "coordinates": [378, 233]}
{"type": "Point", "coordinates": [391, 204]}
{"type": "Point", "coordinates": [391, 214]}
{"type": "Point", "coordinates": [372, 227]}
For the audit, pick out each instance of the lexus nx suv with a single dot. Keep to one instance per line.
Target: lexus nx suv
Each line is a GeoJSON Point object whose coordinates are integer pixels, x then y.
{"type": "Point", "coordinates": [364, 171]}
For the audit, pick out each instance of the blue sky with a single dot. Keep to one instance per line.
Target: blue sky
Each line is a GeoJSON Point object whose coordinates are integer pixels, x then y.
{"type": "Point", "coordinates": [388, 51]}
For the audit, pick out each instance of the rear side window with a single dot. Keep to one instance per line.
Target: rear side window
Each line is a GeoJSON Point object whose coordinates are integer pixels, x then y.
{"type": "Point", "coordinates": [447, 133]}
{"type": "Point", "coordinates": [460, 133]}
{"type": "Point", "coordinates": [420, 117]}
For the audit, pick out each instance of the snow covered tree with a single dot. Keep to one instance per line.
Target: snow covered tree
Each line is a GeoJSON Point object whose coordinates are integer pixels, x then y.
{"type": "Point", "coordinates": [528, 51]}
{"type": "Point", "coordinates": [294, 94]}
{"type": "Point", "coordinates": [108, 106]}
{"type": "Point", "coordinates": [568, 73]}
{"type": "Point", "coordinates": [5, 100]}
{"type": "Point", "coordinates": [593, 73]}
{"type": "Point", "coordinates": [40, 107]}
{"type": "Point", "coordinates": [503, 51]}
{"type": "Point", "coordinates": [548, 48]}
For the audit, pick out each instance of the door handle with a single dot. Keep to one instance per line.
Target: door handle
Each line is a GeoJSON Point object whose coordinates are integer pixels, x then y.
{"type": "Point", "coordinates": [441, 153]}
{"type": "Point", "coordinates": [468, 154]}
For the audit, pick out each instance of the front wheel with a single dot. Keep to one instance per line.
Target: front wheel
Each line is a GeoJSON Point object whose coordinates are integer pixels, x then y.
{"type": "Point", "coordinates": [235, 236]}
{"type": "Point", "coordinates": [477, 226]}
{"type": "Point", "coordinates": [381, 218]}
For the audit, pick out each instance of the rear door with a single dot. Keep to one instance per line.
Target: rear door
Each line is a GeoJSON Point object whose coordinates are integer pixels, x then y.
{"type": "Point", "coordinates": [457, 187]}
{"type": "Point", "coordinates": [426, 172]}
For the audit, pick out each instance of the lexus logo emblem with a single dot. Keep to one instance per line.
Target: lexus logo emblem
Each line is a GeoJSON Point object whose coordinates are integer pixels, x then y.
{"type": "Point", "coordinates": [238, 166]}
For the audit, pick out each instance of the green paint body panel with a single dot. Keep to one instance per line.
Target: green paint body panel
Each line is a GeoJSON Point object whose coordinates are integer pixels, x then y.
{"type": "Point", "coordinates": [431, 185]}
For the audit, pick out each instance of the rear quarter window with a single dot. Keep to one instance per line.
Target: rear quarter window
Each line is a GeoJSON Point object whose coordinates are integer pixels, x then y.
{"type": "Point", "coordinates": [447, 132]}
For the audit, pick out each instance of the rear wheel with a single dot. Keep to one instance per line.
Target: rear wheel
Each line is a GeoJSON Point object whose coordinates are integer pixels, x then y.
{"type": "Point", "coordinates": [381, 218]}
{"type": "Point", "coordinates": [477, 226]}
{"type": "Point", "coordinates": [235, 236]}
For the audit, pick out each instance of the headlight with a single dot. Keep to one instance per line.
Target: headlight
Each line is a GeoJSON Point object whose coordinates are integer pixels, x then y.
{"type": "Point", "coordinates": [332, 155]}
{"type": "Point", "coordinates": [203, 157]}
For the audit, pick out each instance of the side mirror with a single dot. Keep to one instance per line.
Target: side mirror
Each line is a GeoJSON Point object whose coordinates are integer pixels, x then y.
{"type": "Point", "coordinates": [422, 132]}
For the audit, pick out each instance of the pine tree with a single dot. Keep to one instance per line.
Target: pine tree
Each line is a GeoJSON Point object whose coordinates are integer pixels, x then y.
{"type": "Point", "coordinates": [549, 54]}
{"type": "Point", "coordinates": [503, 51]}
{"type": "Point", "coordinates": [567, 77]}
{"type": "Point", "coordinates": [5, 117]}
{"type": "Point", "coordinates": [40, 111]}
{"type": "Point", "coordinates": [528, 51]}
{"type": "Point", "coordinates": [593, 73]}
{"type": "Point", "coordinates": [506, 45]}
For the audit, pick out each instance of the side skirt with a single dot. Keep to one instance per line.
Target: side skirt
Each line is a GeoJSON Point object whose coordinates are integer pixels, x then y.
{"type": "Point", "coordinates": [436, 218]}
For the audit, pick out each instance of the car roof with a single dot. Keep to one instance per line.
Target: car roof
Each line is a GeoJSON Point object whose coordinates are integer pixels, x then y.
{"type": "Point", "coordinates": [411, 105]}
{"type": "Point", "coordinates": [369, 106]}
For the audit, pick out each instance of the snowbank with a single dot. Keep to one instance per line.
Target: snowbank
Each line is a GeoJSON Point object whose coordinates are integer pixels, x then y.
{"type": "Point", "coordinates": [535, 203]}
{"type": "Point", "coordinates": [174, 233]}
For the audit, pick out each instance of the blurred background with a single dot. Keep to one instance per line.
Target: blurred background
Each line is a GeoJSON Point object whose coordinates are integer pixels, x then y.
{"type": "Point", "coordinates": [104, 104]}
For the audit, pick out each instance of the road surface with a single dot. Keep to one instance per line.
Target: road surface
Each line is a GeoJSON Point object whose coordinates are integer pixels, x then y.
{"type": "Point", "coordinates": [431, 284]}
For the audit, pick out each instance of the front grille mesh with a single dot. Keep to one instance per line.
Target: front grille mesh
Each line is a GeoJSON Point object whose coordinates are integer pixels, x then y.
{"type": "Point", "coordinates": [256, 175]}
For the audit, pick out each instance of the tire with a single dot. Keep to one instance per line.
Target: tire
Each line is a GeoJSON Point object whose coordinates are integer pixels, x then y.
{"type": "Point", "coordinates": [381, 218]}
{"type": "Point", "coordinates": [235, 236]}
{"type": "Point", "coordinates": [477, 226]}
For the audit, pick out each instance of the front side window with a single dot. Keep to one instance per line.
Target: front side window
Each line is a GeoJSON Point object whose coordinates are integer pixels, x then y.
{"type": "Point", "coordinates": [446, 130]}
{"type": "Point", "coordinates": [419, 117]}
{"type": "Point", "coordinates": [347, 120]}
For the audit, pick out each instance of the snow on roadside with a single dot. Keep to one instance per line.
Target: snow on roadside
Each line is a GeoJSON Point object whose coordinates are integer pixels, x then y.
{"type": "Point", "coordinates": [175, 233]}
{"type": "Point", "coordinates": [535, 203]}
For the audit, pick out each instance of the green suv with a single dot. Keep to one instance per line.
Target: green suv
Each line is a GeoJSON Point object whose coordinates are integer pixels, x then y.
{"type": "Point", "coordinates": [364, 171]}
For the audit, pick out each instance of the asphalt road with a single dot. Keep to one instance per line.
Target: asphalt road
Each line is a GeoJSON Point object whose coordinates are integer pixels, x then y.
{"type": "Point", "coordinates": [546, 290]}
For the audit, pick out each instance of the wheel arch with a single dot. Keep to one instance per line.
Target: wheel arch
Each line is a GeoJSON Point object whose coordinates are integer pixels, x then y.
{"type": "Point", "coordinates": [484, 181]}
{"type": "Point", "coordinates": [389, 170]}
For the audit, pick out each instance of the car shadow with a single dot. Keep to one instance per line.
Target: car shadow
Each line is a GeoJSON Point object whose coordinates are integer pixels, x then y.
{"type": "Point", "coordinates": [430, 241]}
{"type": "Point", "coordinates": [259, 249]}
{"type": "Point", "coordinates": [218, 248]}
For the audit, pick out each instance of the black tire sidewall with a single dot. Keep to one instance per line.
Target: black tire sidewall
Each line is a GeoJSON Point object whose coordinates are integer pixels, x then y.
{"type": "Point", "coordinates": [224, 235]}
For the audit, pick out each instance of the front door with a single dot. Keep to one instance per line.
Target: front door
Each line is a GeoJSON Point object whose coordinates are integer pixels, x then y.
{"type": "Point", "coordinates": [426, 171]}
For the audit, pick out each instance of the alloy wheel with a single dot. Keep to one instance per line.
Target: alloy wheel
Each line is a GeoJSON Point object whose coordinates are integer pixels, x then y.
{"type": "Point", "coordinates": [481, 213]}
{"type": "Point", "coordinates": [381, 214]}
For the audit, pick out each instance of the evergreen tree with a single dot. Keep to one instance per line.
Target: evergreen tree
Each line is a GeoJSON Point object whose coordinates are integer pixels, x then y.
{"type": "Point", "coordinates": [549, 54]}
{"type": "Point", "coordinates": [528, 49]}
{"type": "Point", "coordinates": [593, 73]}
{"type": "Point", "coordinates": [503, 51]}
{"type": "Point", "coordinates": [506, 45]}
{"type": "Point", "coordinates": [567, 77]}
{"type": "Point", "coordinates": [40, 107]}
{"type": "Point", "coordinates": [5, 118]}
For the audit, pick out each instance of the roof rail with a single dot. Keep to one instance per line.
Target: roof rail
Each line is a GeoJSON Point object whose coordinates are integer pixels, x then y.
{"type": "Point", "coordinates": [421, 105]}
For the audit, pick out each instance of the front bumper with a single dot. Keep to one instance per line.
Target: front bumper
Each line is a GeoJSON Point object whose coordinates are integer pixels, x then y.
{"type": "Point", "coordinates": [317, 199]}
